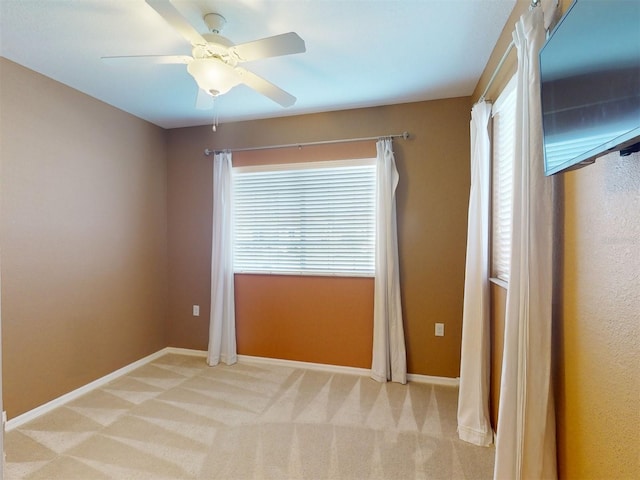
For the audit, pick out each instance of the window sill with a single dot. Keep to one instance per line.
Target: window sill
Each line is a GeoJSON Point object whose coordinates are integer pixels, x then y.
{"type": "Point", "coordinates": [294, 273]}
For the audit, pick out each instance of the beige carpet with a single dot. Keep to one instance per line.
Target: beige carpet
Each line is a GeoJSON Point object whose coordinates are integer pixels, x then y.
{"type": "Point", "coordinates": [177, 418]}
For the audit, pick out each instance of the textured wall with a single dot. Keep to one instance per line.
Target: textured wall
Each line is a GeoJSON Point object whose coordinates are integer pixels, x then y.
{"type": "Point", "coordinates": [83, 233]}
{"type": "Point", "coordinates": [598, 338]}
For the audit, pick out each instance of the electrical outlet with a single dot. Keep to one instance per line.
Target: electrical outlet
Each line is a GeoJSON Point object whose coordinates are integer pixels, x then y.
{"type": "Point", "coordinates": [439, 329]}
{"type": "Point", "coordinates": [196, 310]}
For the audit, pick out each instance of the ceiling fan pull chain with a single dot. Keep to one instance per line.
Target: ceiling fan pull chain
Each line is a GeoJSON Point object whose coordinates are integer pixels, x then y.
{"type": "Point", "coordinates": [215, 117]}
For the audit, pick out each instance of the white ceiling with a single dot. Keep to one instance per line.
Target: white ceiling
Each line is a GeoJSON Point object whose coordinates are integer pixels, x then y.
{"type": "Point", "coordinates": [360, 53]}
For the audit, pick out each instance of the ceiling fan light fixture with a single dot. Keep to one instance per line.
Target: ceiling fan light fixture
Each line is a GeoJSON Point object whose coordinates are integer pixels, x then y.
{"type": "Point", "coordinates": [213, 76]}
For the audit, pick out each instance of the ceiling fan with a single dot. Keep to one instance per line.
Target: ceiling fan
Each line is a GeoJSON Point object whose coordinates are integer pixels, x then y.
{"type": "Point", "coordinates": [214, 61]}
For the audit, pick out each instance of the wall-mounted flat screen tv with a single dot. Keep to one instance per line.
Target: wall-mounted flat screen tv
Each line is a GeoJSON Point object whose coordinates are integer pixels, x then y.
{"type": "Point", "coordinates": [590, 83]}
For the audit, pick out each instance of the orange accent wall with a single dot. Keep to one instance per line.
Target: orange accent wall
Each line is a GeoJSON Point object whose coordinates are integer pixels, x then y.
{"type": "Point", "coordinates": [316, 319]}
{"type": "Point", "coordinates": [319, 319]}
{"type": "Point", "coordinates": [310, 153]}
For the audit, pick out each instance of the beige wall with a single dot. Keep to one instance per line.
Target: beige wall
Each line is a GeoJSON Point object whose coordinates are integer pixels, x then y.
{"type": "Point", "coordinates": [432, 208]}
{"type": "Point", "coordinates": [597, 319]}
{"type": "Point", "coordinates": [83, 234]}
{"type": "Point", "coordinates": [598, 330]}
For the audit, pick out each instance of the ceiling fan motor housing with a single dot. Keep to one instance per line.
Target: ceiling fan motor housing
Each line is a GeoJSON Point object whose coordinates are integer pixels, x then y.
{"type": "Point", "coordinates": [217, 46]}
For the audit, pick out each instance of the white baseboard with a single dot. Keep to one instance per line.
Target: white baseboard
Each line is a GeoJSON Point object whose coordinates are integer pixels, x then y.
{"type": "Point", "coordinates": [444, 381]}
{"type": "Point", "coordinates": [412, 377]}
{"type": "Point", "coordinates": [185, 351]}
{"type": "Point", "coordinates": [307, 365]}
{"type": "Point", "coordinates": [68, 397]}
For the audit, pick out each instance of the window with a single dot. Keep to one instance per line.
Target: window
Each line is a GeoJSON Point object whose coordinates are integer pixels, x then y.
{"type": "Point", "coordinates": [315, 218]}
{"type": "Point", "coordinates": [504, 116]}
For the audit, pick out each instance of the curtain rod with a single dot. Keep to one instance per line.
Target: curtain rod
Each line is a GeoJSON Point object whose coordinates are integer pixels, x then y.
{"type": "Point", "coordinates": [404, 135]}
{"type": "Point", "coordinates": [498, 68]}
{"type": "Point", "coordinates": [534, 3]}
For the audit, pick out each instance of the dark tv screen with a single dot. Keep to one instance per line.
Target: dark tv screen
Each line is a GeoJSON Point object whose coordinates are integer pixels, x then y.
{"type": "Point", "coordinates": [590, 83]}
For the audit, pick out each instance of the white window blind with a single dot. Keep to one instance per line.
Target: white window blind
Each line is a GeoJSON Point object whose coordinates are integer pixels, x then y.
{"type": "Point", "coordinates": [310, 219]}
{"type": "Point", "coordinates": [504, 117]}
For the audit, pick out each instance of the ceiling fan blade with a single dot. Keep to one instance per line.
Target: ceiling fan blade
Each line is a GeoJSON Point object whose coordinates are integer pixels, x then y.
{"type": "Point", "coordinates": [174, 18]}
{"type": "Point", "coordinates": [275, 46]}
{"type": "Point", "coordinates": [266, 88]}
{"type": "Point", "coordinates": [141, 60]}
{"type": "Point", "coordinates": [204, 101]}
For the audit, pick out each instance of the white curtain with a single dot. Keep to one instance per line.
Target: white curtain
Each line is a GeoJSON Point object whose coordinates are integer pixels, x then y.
{"type": "Point", "coordinates": [389, 356]}
{"type": "Point", "coordinates": [474, 424]}
{"type": "Point", "coordinates": [222, 326]}
{"type": "Point", "coordinates": [525, 443]}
